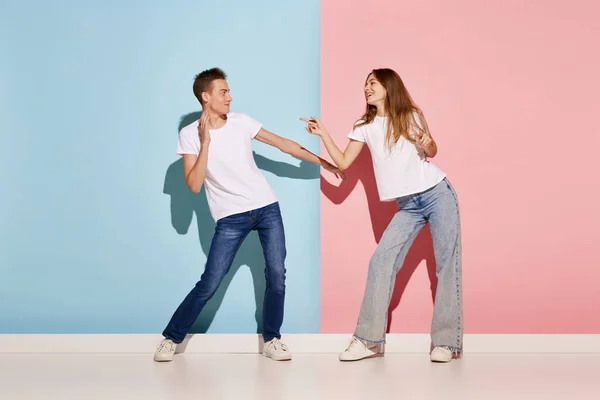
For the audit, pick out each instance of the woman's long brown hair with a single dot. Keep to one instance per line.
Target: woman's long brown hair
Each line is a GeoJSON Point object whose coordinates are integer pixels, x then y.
{"type": "Point", "coordinates": [404, 115]}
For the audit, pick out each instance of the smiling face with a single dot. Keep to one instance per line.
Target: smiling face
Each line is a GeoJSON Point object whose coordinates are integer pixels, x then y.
{"type": "Point", "coordinates": [375, 93]}
{"type": "Point", "coordinates": [212, 91]}
{"type": "Point", "coordinates": [387, 96]}
{"type": "Point", "coordinates": [217, 98]}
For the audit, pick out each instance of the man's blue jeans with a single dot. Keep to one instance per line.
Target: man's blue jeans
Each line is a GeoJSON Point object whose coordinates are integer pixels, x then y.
{"type": "Point", "coordinates": [230, 232]}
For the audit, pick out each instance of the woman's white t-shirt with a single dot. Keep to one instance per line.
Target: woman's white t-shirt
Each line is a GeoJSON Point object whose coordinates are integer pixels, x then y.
{"type": "Point", "coordinates": [401, 170]}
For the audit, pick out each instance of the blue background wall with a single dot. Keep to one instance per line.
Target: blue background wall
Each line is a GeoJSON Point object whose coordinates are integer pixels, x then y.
{"type": "Point", "coordinates": [99, 232]}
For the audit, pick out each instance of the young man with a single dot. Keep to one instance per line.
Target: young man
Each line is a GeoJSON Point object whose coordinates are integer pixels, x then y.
{"type": "Point", "coordinates": [217, 152]}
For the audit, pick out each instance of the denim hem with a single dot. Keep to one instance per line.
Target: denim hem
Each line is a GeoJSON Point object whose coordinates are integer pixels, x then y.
{"type": "Point", "coordinates": [370, 341]}
{"type": "Point", "coordinates": [457, 352]}
{"type": "Point", "coordinates": [267, 339]}
{"type": "Point", "coordinates": [166, 336]}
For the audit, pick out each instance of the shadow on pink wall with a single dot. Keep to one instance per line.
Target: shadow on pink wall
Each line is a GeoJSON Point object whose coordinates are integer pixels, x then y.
{"type": "Point", "coordinates": [381, 213]}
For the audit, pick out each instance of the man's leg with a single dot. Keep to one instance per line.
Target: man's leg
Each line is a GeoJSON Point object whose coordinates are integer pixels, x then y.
{"type": "Point", "coordinates": [230, 232]}
{"type": "Point", "coordinates": [272, 237]}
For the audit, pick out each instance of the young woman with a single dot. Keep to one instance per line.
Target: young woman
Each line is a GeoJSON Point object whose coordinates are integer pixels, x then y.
{"type": "Point", "coordinates": [396, 132]}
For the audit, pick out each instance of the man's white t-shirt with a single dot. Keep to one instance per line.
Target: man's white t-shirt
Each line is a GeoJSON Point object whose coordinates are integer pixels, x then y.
{"type": "Point", "coordinates": [401, 170]}
{"type": "Point", "coordinates": [233, 182]}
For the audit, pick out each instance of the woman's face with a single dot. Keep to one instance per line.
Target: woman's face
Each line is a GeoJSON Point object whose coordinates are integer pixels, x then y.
{"type": "Point", "coordinates": [374, 91]}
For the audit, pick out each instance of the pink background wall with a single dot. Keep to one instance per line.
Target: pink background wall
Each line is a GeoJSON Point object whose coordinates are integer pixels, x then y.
{"type": "Point", "coordinates": [510, 92]}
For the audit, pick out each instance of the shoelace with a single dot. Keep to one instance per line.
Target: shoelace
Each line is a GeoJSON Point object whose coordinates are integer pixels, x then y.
{"type": "Point", "coordinates": [353, 343]}
{"type": "Point", "coordinates": [166, 344]}
{"type": "Point", "coordinates": [275, 342]}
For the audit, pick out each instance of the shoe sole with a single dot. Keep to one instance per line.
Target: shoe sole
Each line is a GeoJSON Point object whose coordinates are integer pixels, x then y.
{"type": "Point", "coordinates": [163, 360]}
{"type": "Point", "coordinates": [440, 361]}
{"type": "Point", "coordinates": [362, 358]}
{"type": "Point", "coordinates": [288, 358]}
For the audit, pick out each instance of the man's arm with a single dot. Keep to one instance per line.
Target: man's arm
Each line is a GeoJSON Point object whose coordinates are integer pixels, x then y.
{"type": "Point", "coordinates": [294, 149]}
{"type": "Point", "coordinates": [194, 169]}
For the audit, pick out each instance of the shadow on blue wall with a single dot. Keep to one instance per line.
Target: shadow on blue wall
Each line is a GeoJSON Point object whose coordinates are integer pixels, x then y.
{"type": "Point", "coordinates": [184, 204]}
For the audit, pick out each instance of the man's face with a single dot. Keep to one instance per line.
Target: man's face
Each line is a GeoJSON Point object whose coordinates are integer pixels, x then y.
{"type": "Point", "coordinates": [218, 98]}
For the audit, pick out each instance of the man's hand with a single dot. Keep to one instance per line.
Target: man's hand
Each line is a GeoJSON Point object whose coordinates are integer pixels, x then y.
{"type": "Point", "coordinates": [203, 127]}
{"type": "Point", "coordinates": [333, 169]}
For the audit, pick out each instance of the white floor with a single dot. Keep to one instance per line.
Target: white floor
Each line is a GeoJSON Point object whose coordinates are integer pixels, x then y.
{"type": "Point", "coordinates": [308, 376]}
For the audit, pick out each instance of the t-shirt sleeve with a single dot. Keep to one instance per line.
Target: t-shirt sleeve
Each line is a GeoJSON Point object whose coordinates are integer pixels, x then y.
{"type": "Point", "coordinates": [357, 134]}
{"type": "Point", "coordinates": [185, 144]}
{"type": "Point", "coordinates": [251, 125]}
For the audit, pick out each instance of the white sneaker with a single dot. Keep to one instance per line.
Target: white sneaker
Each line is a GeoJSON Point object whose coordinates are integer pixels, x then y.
{"type": "Point", "coordinates": [358, 349]}
{"type": "Point", "coordinates": [276, 350]}
{"type": "Point", "coordinates": [165, 351]}
{"type": "Point", "coordinates": [441, 354]}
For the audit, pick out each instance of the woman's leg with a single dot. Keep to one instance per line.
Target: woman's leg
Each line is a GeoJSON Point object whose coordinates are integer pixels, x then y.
{"type": "Point", "coordinates": [441, 206]}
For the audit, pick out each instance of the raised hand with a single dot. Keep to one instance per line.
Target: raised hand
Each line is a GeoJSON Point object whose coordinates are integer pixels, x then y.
{"type": "Point", "coordinates": [203, 127]}
{"type": "Point", "coordinates": [314, 126]}
{"type": "Point", "coordinates": [424, 141]}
